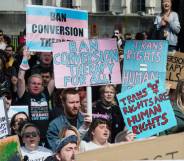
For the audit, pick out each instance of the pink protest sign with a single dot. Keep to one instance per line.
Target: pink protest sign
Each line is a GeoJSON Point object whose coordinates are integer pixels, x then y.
{"type": "Point", "coordinates": [86, 63]}
{"type": "Point", "coordinates": [46, 25]}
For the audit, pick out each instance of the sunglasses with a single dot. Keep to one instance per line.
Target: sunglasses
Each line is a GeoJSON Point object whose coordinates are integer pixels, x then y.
{"type": "Point", "coordinates": [30, 134]}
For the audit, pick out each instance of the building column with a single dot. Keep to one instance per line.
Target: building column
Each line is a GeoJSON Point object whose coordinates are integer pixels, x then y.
{"type": "Point", "coordinates": [150, 6]}
{"type": "Point", "coordinates": [126, 5]}
{"type": "Point", "coordinates": [76, 4]}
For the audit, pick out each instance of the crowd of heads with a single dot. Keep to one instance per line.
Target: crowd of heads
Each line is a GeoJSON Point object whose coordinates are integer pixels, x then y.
{"type": "Point", "coordinates": [68, 127]}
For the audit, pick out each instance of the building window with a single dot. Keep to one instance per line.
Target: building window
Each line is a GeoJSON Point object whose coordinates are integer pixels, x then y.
{"type": "Point", "coordinates": [102, 5]}
{"type": "Point", "coordinates": [66, 3]}
{"type": "Point", "coordinates": [37, 2]}
{"type": "Point", "coordinates": [138, 5]}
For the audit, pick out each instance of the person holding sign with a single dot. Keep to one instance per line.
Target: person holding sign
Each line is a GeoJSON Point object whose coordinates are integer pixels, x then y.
{"type": "Point", "coordinates": [70, 116]}
{"type": "Point", "coordinates": [107, 108]}
{"type": "Point", "coordinates": [167, 23]}
{"type": "Point", "coordinates": [35, 96]}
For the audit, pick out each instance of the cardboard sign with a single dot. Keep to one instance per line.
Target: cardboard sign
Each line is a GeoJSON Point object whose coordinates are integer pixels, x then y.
{"type": "Point", "coordinates": [86, 63]}
{"type": "Point", "coordinates": [46, 25]}
{"type": "Point", "coordinates": [161, 148]}
{"type": "Point", "coordinates": [3, 120]}
{"type": "Point", "coordinates": [146, 109]}
{"type": "Point", "coordinates": [143, 61]}
{"type": "Point", "coordinates": [15, 109]}
{"type": "Point", "coordinates": [10, 149]}
{"type": "Point", "coordinates": [175, 67]}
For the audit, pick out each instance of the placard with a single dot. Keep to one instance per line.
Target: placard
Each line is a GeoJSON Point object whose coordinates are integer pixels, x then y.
{"type": "Point", "coordinates": [10, 149]}
{"type": "Point", "coordinates": [86, 63]}
{"type": "Point", "coordinates": [46, 25]}
{"type": "Point", "coordinates": [3, 120]}
{"type": "Point", "coordinates": [146, 109]}
{"type": "Point", "coordinates": [160, 148]}
{"type": "Point", "coordinates": [175, 68]}
{"type": "Point", "coordinates": [144, 60]}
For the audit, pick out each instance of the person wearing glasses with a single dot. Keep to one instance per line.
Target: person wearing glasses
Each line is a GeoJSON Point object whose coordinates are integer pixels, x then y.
{"type": "Point", "coordinates": [31, 150]}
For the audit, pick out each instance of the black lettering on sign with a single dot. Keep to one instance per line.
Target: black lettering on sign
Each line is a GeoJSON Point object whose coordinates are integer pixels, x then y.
{"type": "Point", "coordinates": [61, 17]}
{"type": "Point", "coordinates": [169, 155]}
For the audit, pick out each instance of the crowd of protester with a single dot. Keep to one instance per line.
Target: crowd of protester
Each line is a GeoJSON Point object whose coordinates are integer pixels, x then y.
{"type": "Point", "coordinates": [57, 125]}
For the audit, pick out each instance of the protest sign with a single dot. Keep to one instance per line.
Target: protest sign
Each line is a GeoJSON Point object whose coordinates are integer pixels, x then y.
{"type": "Point", "coordinates": [175, 67]}
{"type": "Point", "coordinates": [46, 25]}
{"type": "Point", "coordinates": [3, 120]}
{"type": "Point", "coordinates": [15, 109]}
{"type": "Point", "coordinates": [10, 149]}
{"type": "Point", "coordinates": [146, 109]}
{"type": "Point", "coordinates": [160, 148]}
{"type": "Point", "coordinates": [143, 61]}
{"type": "Point", "coordinates": [86, 63]}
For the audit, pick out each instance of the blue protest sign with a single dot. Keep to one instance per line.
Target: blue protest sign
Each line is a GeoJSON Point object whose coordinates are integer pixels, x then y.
{"type": "Point", "coordinates": [146, 109]}
{"type": "Point", "coordinates": [143, 61]}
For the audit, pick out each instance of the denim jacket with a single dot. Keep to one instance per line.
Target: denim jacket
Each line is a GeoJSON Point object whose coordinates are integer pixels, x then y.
{"type": "Point", "coordinates": [58, 124]}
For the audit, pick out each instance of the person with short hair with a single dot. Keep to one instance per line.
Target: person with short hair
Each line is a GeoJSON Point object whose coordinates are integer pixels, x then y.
{"type": "Point", "coordinates": [45, 63]}
{"type": "Point", "coordinates": [70, 116]}
{"type": "Point", "coordinates": [106, 107]}
{"type": "Point", "coordinates": [35, 96]}
{"type": "Point", "coordinates": [31, 150]}
{"type": "Point", "coordinates": [66, 148]}
{"type": "Point", "coordinates": [46, 76]}
{"type": "Point", "coordinates": [99, 132]}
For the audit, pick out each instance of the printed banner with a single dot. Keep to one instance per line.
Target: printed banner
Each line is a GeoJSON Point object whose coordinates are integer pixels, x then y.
{"type": "Point", "coordinates": [175, 67]}
{"type": "Point", "coordinates": [143, 61]}
{"type": "Point", "coordinates": [86, 63]}
{"type": "Point", "coordinates": [146, 109]}
{"type": "Point", "coordinates": [46, 25]}
{"type": "Point", "coordinates": [10, 149]}
{"type": "Point", "coordinates": [3, 120]}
